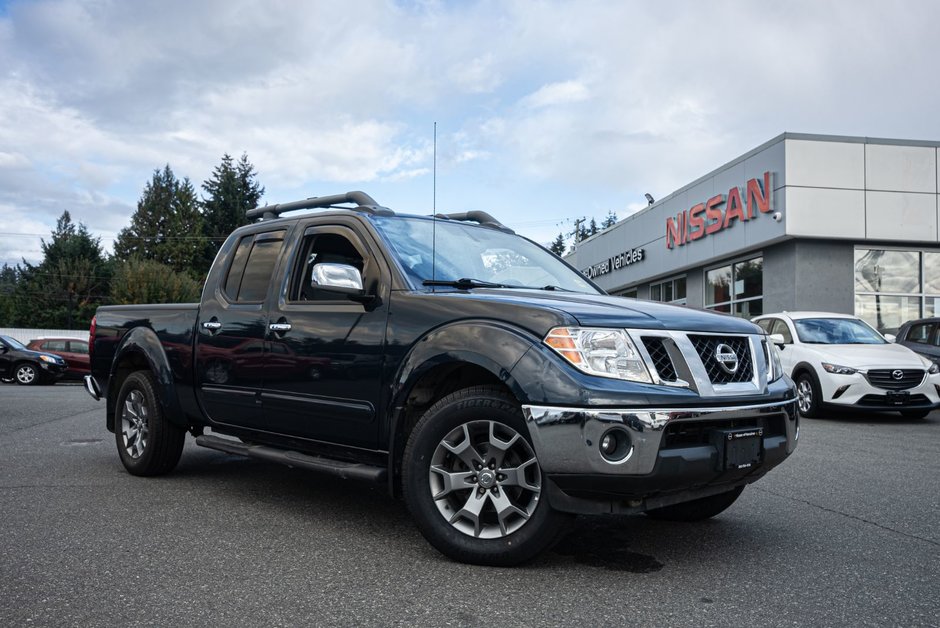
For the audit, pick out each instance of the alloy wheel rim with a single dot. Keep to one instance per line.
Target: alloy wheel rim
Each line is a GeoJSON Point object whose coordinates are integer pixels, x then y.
{"type": "Point", "coordinates": [485, 480]}
{"type": "Point", "coordinates": [805, 395]}
{"type": "Point", "coordinates": [25, 374]}
{"type": "Point", "coordinates": [135, 430]}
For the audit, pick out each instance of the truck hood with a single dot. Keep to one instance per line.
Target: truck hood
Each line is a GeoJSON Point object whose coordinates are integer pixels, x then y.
{"type": "Point", "coordinates": [607, 311]}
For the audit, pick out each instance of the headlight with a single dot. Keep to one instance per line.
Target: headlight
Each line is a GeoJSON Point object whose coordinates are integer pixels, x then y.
{"type": "Point", "coordinates": [604, 352]}
{"type": "Point", "coordinates": [49, 359]}
{"type": "Point", "coordinates": [934, 368]}
{"type": "Point", "coordinates": [774, 368]}
{"type": "Point", "coordinates": [839, 370]}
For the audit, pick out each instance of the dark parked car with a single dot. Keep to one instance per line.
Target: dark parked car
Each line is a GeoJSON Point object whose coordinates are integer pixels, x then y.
{"type": "Point", "coordinates": [921, 336]}
{"type": "Point", "coordinates": [28, 367]}
{"type": "Point", "coordinates": [72, 350]}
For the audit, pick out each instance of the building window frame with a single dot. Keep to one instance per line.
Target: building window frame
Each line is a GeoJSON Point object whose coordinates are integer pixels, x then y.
{"type": "Point", "coordinates": [671, 282]}
{"type": "Point", "coordinates": [920, 296]}
{"type": "Point", "coordinates": [732, 302]}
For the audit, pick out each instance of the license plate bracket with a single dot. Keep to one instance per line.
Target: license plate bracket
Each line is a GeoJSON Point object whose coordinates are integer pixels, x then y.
{"type": "Point", "coordinates": [741, 448]}
{"type": "Point", "coordinates": [898, 397]}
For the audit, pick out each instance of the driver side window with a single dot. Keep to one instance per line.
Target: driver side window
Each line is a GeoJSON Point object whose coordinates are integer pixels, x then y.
{"type": "Point", "coordinates": [321, 248]}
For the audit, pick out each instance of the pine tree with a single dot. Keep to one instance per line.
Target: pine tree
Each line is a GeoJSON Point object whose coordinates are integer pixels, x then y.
{"type": "Point", "coordinates": [167, 226]}
{"type": "Point", "coordinates": [592, 228]}
{"type": "Point", "coordinates": [610, 220]}
{"type": "Point", "coordinates": [232, 190]}
{"type": "Point", "coordinates": [64, 289]}
{"type": "Point", "coordinates": [558, 246]}
{"type": "Point", "coordinates": [9, 277]}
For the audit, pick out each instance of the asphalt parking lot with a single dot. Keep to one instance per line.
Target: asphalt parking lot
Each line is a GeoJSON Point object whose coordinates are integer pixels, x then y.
{"type": "Point", "coordinates": [845, 533]}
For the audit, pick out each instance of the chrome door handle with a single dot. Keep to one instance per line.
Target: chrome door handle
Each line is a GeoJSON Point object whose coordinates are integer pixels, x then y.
{"type": "Point", "coordinates": [279, 327]}
{"type": "Point", "coordinates": [212, 325]}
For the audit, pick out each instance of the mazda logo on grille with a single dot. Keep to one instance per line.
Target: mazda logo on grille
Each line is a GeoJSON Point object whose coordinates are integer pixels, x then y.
{"type": "Point", "coordinates": [726, 357]}
{"type": "Point", "coordinates": [897, 374]}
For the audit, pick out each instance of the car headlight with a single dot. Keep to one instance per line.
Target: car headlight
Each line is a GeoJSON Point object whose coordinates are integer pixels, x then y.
{"type": "Point", "coordinates": [49, 359]}
{"type": "Point", "coordinates": [774, 368]}
{"type": "Point", "coordinates": [839, 370]}
{"type": "Point", "coordinates": [934, 368]}
{"type": "Point", "coordinates": [604, 352]}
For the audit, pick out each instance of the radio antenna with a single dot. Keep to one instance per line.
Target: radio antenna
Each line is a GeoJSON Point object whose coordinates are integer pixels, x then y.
{"type": "Point", "coordinates": [434, 209]}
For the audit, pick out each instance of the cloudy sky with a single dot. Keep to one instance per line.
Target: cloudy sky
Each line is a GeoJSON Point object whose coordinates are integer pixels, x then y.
{"type": "Point", "coordinates": [545, 110]}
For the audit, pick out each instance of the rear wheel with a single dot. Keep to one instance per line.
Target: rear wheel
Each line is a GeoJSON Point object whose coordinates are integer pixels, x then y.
{"type": "Point", "coordinates": [698, 509]}
{"type": "Point", "coordinates": [26, 374]}
{"type": "Point", "coordinates": [146, 441]}
{"type": "Point", "coordinates": [473, 483]}
{"type": "Point", "coordinates": [808, 397]}
{"type": "Point", "coordinates": [915, 414]}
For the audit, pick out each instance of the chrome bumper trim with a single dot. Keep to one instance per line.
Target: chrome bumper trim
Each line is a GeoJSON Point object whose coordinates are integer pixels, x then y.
{"type": "Point", "coordinates": [566, 439]}
{"type": "Point", "coordinates": [91, 387]}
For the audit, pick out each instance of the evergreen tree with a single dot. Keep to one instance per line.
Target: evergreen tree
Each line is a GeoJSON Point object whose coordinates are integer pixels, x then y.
{"type": "Point", "coordinates": [231, 191]}
{"type": "Point", "coordinates": [558, 246]}
{"type": "Point", "coordinates": [592, 228]}
{"type": "Point", "coordinates": [8, 281]}
{"type": "Point", "coordinates": [147, 281]}
{"type": "Point", "coordinates": [167, 226]}
{"type": "Point", "coordinates": [66, 287]}
{"type": "Point", "coordinates": [610, 221]}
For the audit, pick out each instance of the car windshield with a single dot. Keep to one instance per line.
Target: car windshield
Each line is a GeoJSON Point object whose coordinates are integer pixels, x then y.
{"type": "Point", "coordinates": [449, 251]}
{"type": "Point", "coordinates": [13, 343]}
{"type": "Point", "coordinates": [836, 331]}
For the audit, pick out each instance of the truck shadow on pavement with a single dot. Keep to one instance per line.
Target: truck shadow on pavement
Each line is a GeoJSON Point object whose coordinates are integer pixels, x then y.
{"type": "Point", "coordinates": [633, 544]}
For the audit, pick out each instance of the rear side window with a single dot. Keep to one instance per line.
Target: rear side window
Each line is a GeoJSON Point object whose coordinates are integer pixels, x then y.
{"type": "Point", "coordinates": [252, 267]}
{"type": "Point", "coordinates": [78, 346]}
{"type": "Point", "coordinates": [54, 345]}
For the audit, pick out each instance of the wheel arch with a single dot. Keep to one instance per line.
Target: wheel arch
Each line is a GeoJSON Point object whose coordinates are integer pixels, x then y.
{"type": "Point", "coordinates": [140, 350]}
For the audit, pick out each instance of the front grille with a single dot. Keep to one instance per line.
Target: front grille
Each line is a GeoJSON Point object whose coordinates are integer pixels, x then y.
{"type": "Point", "coordinates": [691, 433]}
{"type": "Point", "coordinates": [706, 346]}
{"type": "Point", "coordinates": [661, 360]}
{"type": "Point", "coordinates": [884, 378]}
{"type": "Point", "coordinates": [882, 400]}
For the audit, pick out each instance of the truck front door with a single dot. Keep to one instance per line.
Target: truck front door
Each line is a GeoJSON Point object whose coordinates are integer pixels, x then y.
{"type": "Point", "coordinates": [231, 330]}
{"type": "Point", "coordinates": [325, 350]}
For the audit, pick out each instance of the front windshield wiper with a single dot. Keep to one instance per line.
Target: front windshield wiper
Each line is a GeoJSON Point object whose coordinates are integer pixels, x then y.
{"type": "Point", "coordinates": [465, 283]}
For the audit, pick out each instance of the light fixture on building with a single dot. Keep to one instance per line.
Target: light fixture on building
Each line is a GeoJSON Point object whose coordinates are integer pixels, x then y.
{"type": "Point", "coordinates": [649, 198]}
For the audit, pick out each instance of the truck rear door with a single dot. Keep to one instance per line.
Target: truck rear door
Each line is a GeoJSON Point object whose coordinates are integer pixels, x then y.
{"type": "Point", "coordinates": [325, 350]}
{"type": "Point", "coordinates": [232, 327]}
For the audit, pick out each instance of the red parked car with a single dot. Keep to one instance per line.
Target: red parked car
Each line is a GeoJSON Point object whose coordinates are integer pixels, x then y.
{"type": "Point", "coordinates": [72, 350]}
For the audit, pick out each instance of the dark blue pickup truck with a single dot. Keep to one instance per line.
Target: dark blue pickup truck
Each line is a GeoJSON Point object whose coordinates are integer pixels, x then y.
{"type": "Point", "coordinates": [467, 368]}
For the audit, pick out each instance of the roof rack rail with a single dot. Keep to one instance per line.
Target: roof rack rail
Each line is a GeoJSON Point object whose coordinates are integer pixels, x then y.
{"type": "Point", "coordinates": [363, 202]}
{"type": "Point", "coordinates": [485, 219]}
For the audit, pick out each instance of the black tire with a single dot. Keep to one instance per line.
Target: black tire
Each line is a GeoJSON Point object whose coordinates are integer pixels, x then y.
{"type": "Point", "coordinates": [26, 374]}
{"type": "Point", "coordinates": [529, 525]}
{"type": "Point", "coordinates": [809, 398]}
{"type": "Point", "coordinates": [147, 442]}
{"type": "Point", "coordinates": [915, 414]}
{"type": "Point", "coordinates": [698, 509]}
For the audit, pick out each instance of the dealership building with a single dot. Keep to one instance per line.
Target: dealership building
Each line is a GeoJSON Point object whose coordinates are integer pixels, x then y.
{"type": "Point", "coordinates": [802, 222]}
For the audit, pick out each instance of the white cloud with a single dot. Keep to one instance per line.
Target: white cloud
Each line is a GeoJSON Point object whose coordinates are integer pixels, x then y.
{"type": "Point", "coordinates": [557, 94]}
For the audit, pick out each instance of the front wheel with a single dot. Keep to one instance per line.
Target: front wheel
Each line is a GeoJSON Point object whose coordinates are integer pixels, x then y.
{"type": "Point", "coordinates": [808, 397]}
{"type": "Point", "coordinates": [697, 509]}
{"type": "Point", "coordinates": [26, 374]}
{"type": "Point", "coordinates": [473, 483]}
{"type": "Point", "coordinates": [146, 441]}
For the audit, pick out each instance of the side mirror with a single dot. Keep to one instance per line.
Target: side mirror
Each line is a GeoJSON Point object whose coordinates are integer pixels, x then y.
{"type": "Point", "coordinates": [777, 339]}
{"type": "Point", "coordinates": [891, 337]}
{"type": "Point", "coordinates": [336, 278]}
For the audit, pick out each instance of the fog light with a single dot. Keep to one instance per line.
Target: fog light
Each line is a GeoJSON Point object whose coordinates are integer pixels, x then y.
{"type": "Point", "coordinates": [615, 445]}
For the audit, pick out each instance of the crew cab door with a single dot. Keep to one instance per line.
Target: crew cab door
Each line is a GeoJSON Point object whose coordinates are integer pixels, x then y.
{"type": "Point", "coordinates": [231, 329]}
{"type": "Point", "coordinates": [326, 349]}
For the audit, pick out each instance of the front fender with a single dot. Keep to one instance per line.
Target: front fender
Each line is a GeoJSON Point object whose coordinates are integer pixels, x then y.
{"type": "Point", "coordinates": [143, 343]}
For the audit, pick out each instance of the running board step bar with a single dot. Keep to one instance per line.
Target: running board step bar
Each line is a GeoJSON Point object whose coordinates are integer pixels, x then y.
{"type": "Point", "coordinates": [342, 469]}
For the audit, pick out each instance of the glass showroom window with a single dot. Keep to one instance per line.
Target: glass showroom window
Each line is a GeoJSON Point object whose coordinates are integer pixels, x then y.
{"type": "Point", "coordinates": [669, 291]}
{"type": "Point", "coordinates": [894, 286]}
{"type": "Point", "coordinates": [630, 293]}
{"type": "Point", "coordinates": [736, 288]}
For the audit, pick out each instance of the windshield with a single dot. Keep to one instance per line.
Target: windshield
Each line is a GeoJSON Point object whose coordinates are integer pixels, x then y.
{"type": "Point", "coordinates": [15, 344]}
{"type": "Point", "coordinates": [466, 251]}
{"type": "Point", "coordinates": [836, 331]}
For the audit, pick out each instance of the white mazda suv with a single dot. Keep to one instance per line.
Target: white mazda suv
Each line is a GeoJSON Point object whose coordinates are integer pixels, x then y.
{"type": "Point", "coordinates": [839, 360]}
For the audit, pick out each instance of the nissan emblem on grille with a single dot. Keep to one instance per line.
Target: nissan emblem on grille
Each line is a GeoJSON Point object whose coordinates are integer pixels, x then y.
{"type": "Point", "coordinates": [726, 358]}
{"type": "Point", "coordinates": [897, 374]}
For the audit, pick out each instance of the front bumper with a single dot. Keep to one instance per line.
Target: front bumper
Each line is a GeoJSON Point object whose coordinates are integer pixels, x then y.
{"type": "Point", "coordinates": [670, 458]}
{"type": "Point", "coordinates": [52, 372]}
{"type": "Point", "coordinates": [856, 391]}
